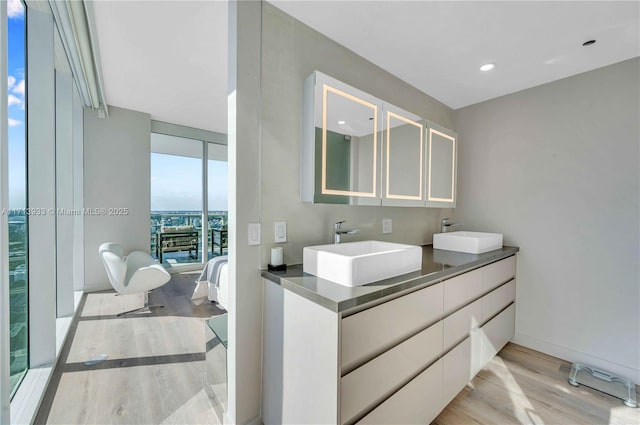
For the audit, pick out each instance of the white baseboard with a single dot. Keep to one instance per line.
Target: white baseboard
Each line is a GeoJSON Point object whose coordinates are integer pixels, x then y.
{"type": "Point", "coordinates": [97, 288]}
{"type": "Point", "coordinates": [572, 356]}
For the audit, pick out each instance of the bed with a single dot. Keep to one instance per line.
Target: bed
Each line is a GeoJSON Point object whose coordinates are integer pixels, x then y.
{"type": "Point", "coordinates": [213, 282]}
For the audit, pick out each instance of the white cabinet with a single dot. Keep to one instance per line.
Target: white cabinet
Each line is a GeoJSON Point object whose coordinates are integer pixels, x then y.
{"type": "Point", "coordinates": [340, 143]}
{"type": "Point", "coordinates": [496, 300]}
{"type": "Point", "coordinates": [369, 332]}
{"type": "Point", "coordinates": [497, 273]}
{"type": "Point", "coordinates": [418, 402]}
{"type": "Point", "coordinates": [458, 369]}
{"type": "Point", "coordinates": [376, 380]}
{"type": "Point", "coordinates": [403, 158]}
{"type": "Point", "coordinates": [360, 150]}
{"type": "Point", "coordinates": [496, 333]}
{"type": "Point", "coordinates": [459, 290]}
{"type": "Point", "coordinates": [442, 163]}
{"type": "Point", "coordinates": [400, 361]}
{"type": "Point", "coordinates": [459, 324]}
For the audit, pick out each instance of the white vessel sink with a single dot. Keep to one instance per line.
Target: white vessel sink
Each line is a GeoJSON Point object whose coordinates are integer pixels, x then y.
{"type": "Point", "coordinates": [470, 242]}
{"type": "Point", "coordinates": [359, 263]}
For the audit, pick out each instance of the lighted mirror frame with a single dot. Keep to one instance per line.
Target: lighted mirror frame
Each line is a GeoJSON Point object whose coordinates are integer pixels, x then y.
{"type": "Point", "coordinates": [389, 195]}
{"type": "Point", "coordinates": [325, 92]}
{"type": "Point", "coordinates": [453, 166]}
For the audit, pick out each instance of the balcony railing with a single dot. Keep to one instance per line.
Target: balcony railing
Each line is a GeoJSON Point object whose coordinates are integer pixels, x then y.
{"type": "Point", "coordinates": [216, 220]}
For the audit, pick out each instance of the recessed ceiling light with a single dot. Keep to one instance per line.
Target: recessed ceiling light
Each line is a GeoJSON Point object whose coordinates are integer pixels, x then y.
{"type": "Point", "coordinates": [342, 122]}
{"type": "Point", "coordinates": [589, 43]}
{"type": "Point", "coordinates": [487, 67]}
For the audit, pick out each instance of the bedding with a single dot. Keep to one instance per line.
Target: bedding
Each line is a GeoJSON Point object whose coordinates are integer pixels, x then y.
{"type": "Point", "coordinates": [213, 281]}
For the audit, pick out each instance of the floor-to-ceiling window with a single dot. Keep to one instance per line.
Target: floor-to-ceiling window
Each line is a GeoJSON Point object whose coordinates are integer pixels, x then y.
{"type": "Point", "coordinates": [176, 199]}
{"type": "Point", "coordinates": [217, 191]}
{"type": "Point", "coordinates": [18, 258]}
{"type": "Point", "coordinates": [182, 182]}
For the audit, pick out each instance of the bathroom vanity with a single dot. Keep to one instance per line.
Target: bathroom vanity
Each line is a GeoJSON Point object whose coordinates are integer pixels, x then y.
{"type": "Point", "coordinates": [395, 351]}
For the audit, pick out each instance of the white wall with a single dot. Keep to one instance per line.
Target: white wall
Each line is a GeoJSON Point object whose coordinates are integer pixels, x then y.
{"type": "Point", "coordinates": [556, 169]}
{"type": "Point", "coordinates": [291, 51]}
{"type": "Point", "coordinates": [116, 175]}
{"type": "Point", "coordinates": [64, 193]}
{"type": "Point", "coordinates": [245, 287]}
{"type": "Point", "coordinates": [78, 192]}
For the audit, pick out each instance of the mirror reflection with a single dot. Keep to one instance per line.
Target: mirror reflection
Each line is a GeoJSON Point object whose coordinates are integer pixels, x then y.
{"type": "Point", "coordinates": [404, 156]}
{"type": "Point", "coordinates": [346, 147]}
{"type": "Point", "coordinates": [441, 164]}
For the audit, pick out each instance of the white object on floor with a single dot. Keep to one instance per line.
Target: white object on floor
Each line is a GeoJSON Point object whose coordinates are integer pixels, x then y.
{"type": "Point", "coordinates": [469, 242]}
{"type": "Point", "coordinates": [96, 359]}
{"type": "Point", "coordinates": [213, 281]}
{"type": "Point", "coordinates": [606, 382]}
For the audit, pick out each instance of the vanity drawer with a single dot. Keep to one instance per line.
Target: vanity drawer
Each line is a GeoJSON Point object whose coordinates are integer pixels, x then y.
{"type": "Point", "coordinates": [459, 324]}
{"type": "Point", "coordinates": [376, 379]}
{"type": "Point", "coordinates": [373, 331]}
{"type": "Point", "coordinates": [462, 289]}
{"type": "Point", "coordinates": [457, 369]}
{"type": "Point", "coordinates": [497, 273]}
{"type": "Point", "coordinates": [496, 333]}
{"type": "Point", "coordinates": [418, 402]}
{"type": "Point", "coordinates": [497, 299]}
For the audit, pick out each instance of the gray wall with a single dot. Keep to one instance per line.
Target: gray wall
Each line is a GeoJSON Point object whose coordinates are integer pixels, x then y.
{"type": "Point", "coordinates": [291, 51]}
{"type": "Point", "coordinates": [116, 174]}
{"type": "Point", "coordinates": [556, 169]}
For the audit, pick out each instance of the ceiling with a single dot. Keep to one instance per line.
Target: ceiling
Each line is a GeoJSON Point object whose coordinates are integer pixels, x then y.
{"type": "Point", "coordinates": [439, 46]}
{"type": "Point", "coordinates": [170, 58]}
{"type": "Point", "coordinates": [166, 58]}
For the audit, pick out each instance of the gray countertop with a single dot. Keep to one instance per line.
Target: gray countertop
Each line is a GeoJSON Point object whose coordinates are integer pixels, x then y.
{"type": "Point", "coordinates": [437, 265]}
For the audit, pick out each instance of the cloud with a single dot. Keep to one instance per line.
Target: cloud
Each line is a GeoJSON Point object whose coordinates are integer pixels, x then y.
{"type": "Point", "coordinates": [19, 89]}
{"type": "Point", "coordinates": [15, 9]}
{"type": "Point", "coordinates": [14, 123]}
{"type": "Point", "coordinates": [11, 81]}
{"type": "Point", "coordinates": [14, 100]}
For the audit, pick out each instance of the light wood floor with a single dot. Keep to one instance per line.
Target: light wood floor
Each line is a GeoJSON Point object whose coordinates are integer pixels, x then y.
{"type": "Point", "coordinates": [155, 372]}
{"type": "Point", "coordinates": [523, 386]}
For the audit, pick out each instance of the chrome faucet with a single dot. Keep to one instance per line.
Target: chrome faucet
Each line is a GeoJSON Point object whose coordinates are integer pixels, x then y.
{"type": "Point", "coordinates": [446, 225]}
{"type": "Point", "coordinates": [338, 231]}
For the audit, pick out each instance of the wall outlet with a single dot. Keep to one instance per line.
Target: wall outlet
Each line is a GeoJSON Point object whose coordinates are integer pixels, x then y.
{"type": "Point", "coordinates": [387, 226]}
{"type": "Point", "coordinates": [254, 233]}
{"type": "Point", "coordinates": [280, 230]}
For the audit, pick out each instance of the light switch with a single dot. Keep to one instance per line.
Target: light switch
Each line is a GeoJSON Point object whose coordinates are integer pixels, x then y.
{"type": "Point", "coordinates": [254, 233]}
{"type": "Point", "coordinates": [387, 226]}
{"type": "Point", "coordinates": [280, 231]}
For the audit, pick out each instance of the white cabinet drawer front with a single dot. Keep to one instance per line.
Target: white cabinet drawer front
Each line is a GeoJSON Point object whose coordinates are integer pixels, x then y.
{"type": "Point", "coordinates": [370, 332]}
{"type": "Point", "coordinates": [498, 273]}
{"type": "Point", "coordinates": [459, 324]}
{"type": "Point", "coordinates": [418, 402]}
{"type": "Point", "coordinates": [373, 381]}
{"type": "Point", "coordinates": [457, 370]}
{"type": "Point", "coordinates": [497, 299]}
{"type": "Point", "coordinates": [459, 290]}
{"type": "Point", "coordinates": [497, 332]}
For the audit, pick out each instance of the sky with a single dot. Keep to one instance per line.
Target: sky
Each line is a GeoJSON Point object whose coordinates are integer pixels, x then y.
{"type": "Point", "coordinates": [16, 102]}
{"type": "Point", "coordinates": [176, 183]}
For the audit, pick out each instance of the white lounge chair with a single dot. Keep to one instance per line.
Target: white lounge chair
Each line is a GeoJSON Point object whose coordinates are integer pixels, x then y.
{"type": "Point", "coordinates": [136, 273]}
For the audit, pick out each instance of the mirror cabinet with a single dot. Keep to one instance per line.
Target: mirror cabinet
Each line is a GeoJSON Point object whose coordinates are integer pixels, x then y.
{"type": "Point", "coordinates": [360, 150]}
